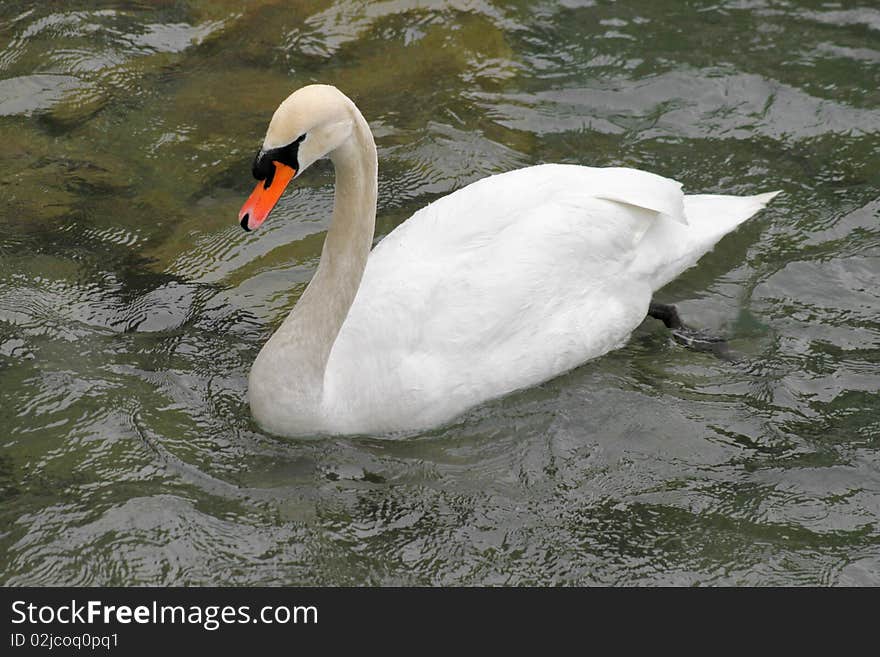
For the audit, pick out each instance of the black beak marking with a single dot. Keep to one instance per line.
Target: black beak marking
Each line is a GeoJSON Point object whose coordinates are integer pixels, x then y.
{"type": "Point", "coordinates": [244, 222]}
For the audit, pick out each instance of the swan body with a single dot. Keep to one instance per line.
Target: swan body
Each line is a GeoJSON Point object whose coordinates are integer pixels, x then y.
{"type": "Point", "coordinates": [498, 286]}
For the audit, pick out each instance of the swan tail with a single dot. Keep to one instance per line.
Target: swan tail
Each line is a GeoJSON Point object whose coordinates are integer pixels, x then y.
{"type": "Point", "coordinates": [669, 248]}
{"type": "Point", "coordinates": [712, 216]}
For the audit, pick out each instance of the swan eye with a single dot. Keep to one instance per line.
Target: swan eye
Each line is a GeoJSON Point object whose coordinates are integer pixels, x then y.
{"type": "Point", "coordinates": [263, 167]}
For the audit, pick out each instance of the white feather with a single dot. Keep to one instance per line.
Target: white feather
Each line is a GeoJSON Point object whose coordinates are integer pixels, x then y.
{"type": "Point", "coordinates": [507, 283]}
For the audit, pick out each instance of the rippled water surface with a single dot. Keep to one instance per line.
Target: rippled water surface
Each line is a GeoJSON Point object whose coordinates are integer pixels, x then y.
{"type": "Point", "coordinates": [132, 304]}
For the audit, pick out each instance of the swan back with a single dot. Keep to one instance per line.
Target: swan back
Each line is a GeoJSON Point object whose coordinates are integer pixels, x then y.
{"type": "Point", "coordinates": [499, 286]}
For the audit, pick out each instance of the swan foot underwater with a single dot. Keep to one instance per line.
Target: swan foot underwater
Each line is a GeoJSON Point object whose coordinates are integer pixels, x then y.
{"type": "Point", "coordinates": [499, 286]}
{"type": "Point", "coordinates": [689, 337]}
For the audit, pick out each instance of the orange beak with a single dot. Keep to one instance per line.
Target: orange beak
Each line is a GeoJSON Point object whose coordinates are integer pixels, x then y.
{"type": "Point", "coordinates": [264, 197]}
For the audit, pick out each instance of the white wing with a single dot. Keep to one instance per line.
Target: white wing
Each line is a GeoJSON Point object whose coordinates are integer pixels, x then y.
{"type": "Point", "coordinates": [498, 286]}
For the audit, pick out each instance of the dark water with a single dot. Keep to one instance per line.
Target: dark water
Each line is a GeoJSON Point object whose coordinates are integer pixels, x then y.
{"type": "Point", "coordinates": [131, 303]}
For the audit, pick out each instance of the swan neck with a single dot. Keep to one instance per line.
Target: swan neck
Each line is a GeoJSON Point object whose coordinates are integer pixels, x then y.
{"type": "Point", "coordinates": [314, 323]}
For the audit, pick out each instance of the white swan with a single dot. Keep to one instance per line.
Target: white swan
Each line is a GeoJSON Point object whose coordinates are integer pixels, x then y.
{"type": "Point", "coordinates": [498, 286]}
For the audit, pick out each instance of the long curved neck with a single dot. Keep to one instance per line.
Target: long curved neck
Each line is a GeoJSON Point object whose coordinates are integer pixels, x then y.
{"type": "Point", "coordinates": [307, 335]}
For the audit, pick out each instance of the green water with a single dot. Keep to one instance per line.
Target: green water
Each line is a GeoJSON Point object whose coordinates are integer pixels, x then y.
{"type": "Point", "coordinates": [132, 304]}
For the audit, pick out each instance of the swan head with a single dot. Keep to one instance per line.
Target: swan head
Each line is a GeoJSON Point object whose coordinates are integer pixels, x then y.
{"type": "Point", "coordinates": [310, 124]}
